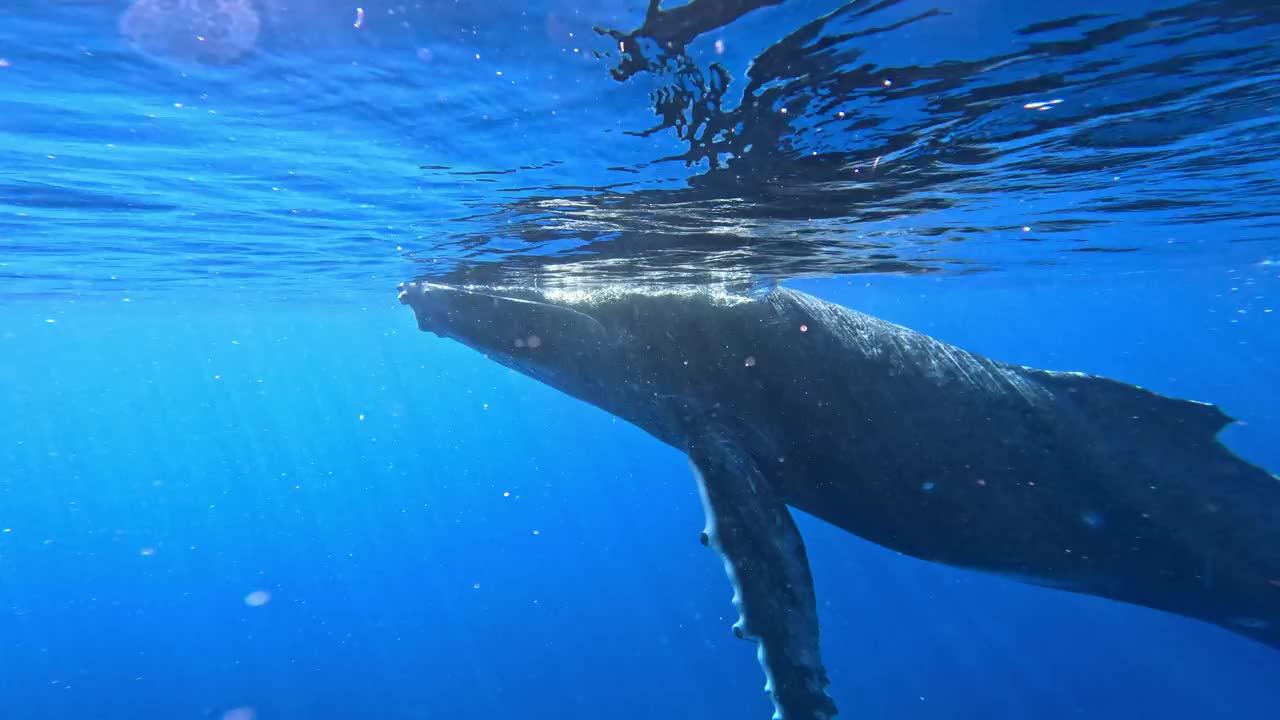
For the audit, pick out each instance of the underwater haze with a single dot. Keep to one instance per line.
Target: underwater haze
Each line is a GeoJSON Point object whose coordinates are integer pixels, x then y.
{"type": "Point", "coordinates": [238, 483]}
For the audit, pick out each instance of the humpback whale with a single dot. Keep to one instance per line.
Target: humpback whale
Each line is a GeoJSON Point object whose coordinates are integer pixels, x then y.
{"type": "Point", "coordinates": [781, 399]}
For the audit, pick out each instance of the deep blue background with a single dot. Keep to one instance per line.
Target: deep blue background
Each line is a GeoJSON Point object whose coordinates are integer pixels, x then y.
{"type": "Point", "coordinates": [222, 435]}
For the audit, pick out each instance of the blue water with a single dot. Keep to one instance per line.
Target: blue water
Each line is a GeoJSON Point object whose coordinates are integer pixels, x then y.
{"type": "Point", "coordinates": [236, 482]}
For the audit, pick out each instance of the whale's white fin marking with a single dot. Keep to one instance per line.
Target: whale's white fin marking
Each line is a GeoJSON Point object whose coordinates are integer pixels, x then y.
{"type": "Point", "coordinates": [764, 557]}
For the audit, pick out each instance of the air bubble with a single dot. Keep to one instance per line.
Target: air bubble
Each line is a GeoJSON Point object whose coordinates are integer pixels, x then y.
{"type": "Point", "coordinates": [205, 31]}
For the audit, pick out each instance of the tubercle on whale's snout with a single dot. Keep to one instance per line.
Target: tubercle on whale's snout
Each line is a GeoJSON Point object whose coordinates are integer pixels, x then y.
{"type": "Point", "coordinates": [414, 295]}
{"type": "Point", "coordinates": [419, 296]}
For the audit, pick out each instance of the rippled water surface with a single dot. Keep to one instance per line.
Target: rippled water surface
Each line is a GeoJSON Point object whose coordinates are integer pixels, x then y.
{"type": "Point", "coordinates": [307, 141]}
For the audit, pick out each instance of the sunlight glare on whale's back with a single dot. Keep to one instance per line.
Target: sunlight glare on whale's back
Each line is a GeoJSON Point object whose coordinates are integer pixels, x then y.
{"type": "Point", "coordinates": [204, 31]}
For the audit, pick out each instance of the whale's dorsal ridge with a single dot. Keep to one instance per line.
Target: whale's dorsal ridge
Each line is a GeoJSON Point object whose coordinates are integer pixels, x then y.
{"type": "Point", "coordinates": [1201, 418]}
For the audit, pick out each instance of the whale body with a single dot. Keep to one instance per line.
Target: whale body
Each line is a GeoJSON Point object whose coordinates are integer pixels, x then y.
{"type": "Point", "coordinates": [1061, 479]}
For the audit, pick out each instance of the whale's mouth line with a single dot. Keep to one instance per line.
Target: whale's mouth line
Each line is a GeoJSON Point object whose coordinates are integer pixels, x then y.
{"type": "Point", "coordinates": [408, 291]}
{"type": "Point", "coordinates": [416, 294]}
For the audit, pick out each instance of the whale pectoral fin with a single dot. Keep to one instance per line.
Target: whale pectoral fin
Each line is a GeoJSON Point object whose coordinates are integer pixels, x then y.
{"type": "Point", "coordinates": [764, 556]}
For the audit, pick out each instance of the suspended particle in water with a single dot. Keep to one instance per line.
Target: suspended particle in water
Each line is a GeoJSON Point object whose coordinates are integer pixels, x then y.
{"type": "Point", "coordinates": [213, 32]}
{"type": "Point", "coordinates": [257, 598]}
{"type": "Point", "coordinates": [804, 328]}
{"type": "Point", "coordinates": [1091, 518]}
{"type": "Point", "coordinates": [750, 361]}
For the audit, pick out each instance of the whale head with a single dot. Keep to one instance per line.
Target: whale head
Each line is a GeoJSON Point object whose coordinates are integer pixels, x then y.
{"type": "Point", "coordinates": [526, 330]}
{"type": "Point", "coordinates": [640, 355]}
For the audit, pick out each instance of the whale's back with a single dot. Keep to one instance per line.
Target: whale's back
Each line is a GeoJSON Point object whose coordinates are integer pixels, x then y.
{"type": "Point", "coordinates": [1062, 479]}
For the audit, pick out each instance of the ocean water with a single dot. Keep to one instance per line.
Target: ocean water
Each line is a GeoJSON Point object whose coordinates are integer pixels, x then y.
{"type": "Point", "coordinates": [236, 482]}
